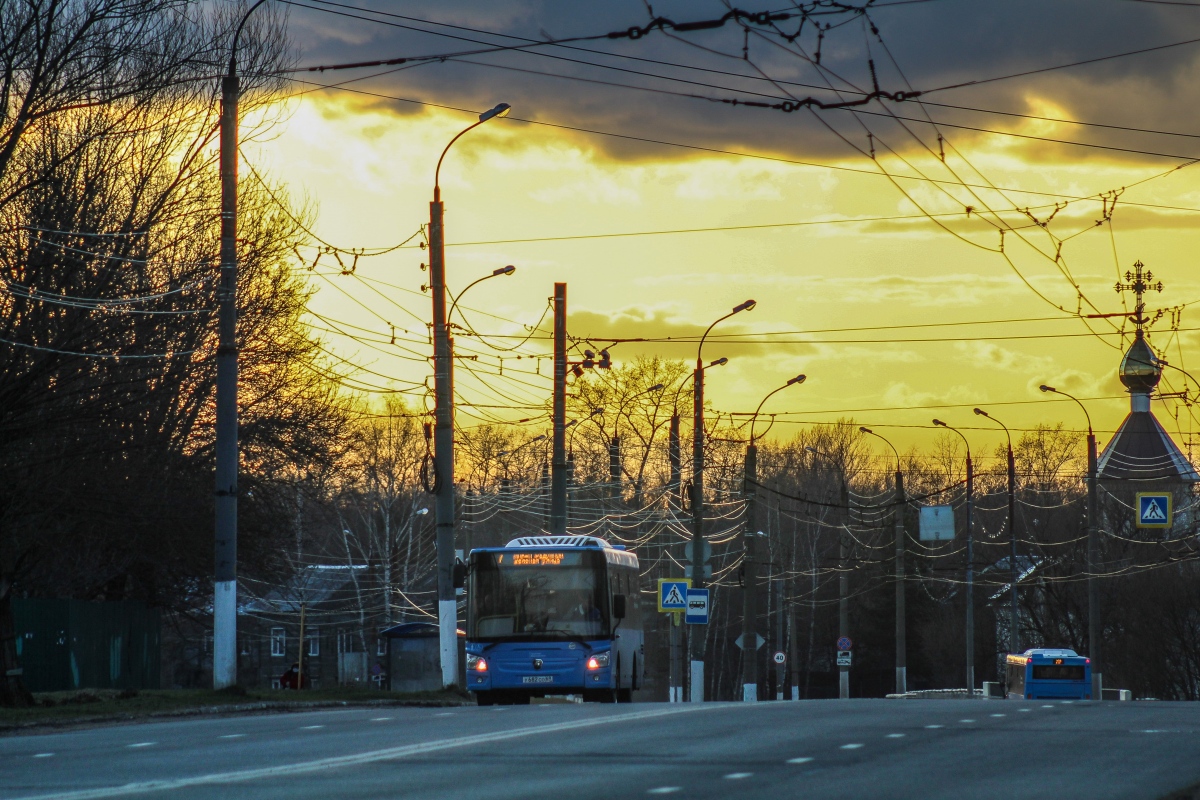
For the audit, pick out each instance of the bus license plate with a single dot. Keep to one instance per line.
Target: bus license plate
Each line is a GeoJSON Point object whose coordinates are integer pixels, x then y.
{"type": "Point", "coordinates": [538, 679]}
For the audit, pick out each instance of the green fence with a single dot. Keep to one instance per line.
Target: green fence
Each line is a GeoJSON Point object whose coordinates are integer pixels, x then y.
{"type": "Point", "coordinates": [72, 644]}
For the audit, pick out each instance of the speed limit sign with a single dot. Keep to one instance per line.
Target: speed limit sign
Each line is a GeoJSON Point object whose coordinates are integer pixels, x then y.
{"type": "Point", "coordinates": [780, 658]}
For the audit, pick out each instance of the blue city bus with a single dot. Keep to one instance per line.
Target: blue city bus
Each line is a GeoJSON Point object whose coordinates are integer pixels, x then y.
{"type": "Point", "coordinates": [1043, 674]}
{"type": "Point", "coordinates": [553, 615]}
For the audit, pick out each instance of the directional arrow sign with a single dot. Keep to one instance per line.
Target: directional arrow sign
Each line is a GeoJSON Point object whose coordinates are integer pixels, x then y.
{"type": "Point", "coordinates": [741, 641]}
{"type": "Point", "coordinates": [690, 551]}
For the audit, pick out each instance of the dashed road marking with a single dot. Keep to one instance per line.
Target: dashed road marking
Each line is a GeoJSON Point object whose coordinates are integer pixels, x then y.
{"type": "Point", "coordinates": [311, 727]}
{"type": "Point", "coordinates": [142, 744]}
{"type": "Point", "coordinates": [451, 713]}
{"type": "Point", "coordinates": [232, 736]}
{"type": "Point", "coordinates": [895, 736]}
{"type": "Point", "coordinates": [42, 755]}
{"type": "Point", "coordinates": [380, 719]}
{"type": "Point", "coordinates": [801, 760]}
{"type": "Point", "coordinates": [1022, 709]}
{"type": "Point", "coordinates": [665, 790]}
{"type": "Point", "coordinates": [966, 720]}
{"type": "Point", "coordinates": [851, 746]}
{"type": "Point", "coordinates": [934, 727]}
{"type": "Point", "coordinates": [737, 776]}
{"type": "Point", "coordinates": [1047, 706]}
{"type": "Point", "coordinates": [997, 715]}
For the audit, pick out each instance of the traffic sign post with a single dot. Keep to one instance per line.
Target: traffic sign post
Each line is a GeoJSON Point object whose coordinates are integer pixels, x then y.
{"type": "Point", "coordinates": [697, 607]}
{"type": "Point", "coordinates": [672, 594]}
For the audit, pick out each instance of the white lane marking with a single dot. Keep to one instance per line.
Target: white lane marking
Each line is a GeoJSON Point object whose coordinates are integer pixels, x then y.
{"type": "Point", "coordinates": [895, 736]}
{"type": "Point", "coordinates": [934, 727]}
{"type": "Point", "coordinates": [380, 719]}
{"type": "Point", "coordinates": [966, 720]}
{"type": "Point", "coordinates": [737, 776]}
{"type": "Point", "coordinates": [997, 715]}
{"type": "Point", "coordinates": [142, 744]}
{"type": "Point", "coordinates": [232, 736]}
{"type": "Point", "coordinates": [1022, 709]}
{"type": "Point", "coordinates": [1066, 702]}
{"type": "Point", "coordinates": [665, 790]}
{"type": "Point", "coordinates": [451, 713]}
{"type": "Point", "coordinates": [42, 755]}
{"type": "Point", "coordinates": [1047, 706]}
{"type": "Point", "coordinates": [311, 727]}
{"type": "Point", "coordinates": [370, 757]}
{"type": "Point", "coordinates": [499, 709]}
{"type": "Point", "coordinates": [801, 760]}
{"type": "Point", "coordinates": [851, 746]}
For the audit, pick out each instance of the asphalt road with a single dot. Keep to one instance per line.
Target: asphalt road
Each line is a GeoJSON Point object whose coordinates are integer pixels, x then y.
{"type": "Point", "coordinates": [850, 749]}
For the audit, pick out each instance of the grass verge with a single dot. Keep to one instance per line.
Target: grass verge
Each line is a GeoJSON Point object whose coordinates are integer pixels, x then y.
{"type": "Point", "coordinates": [90, 706]}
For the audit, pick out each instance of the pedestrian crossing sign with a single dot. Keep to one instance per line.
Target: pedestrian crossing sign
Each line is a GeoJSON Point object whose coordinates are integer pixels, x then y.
{"type": "Point", "coordinates": [1154, 510]}
{"type": "Point", "coordinates": [672, 594]}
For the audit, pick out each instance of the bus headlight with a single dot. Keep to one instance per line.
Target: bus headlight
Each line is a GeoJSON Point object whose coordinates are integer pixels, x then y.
{"type": "Point", "coordinates": [598, 661]}
{"type": "Point", "coordinates": [476, 664]}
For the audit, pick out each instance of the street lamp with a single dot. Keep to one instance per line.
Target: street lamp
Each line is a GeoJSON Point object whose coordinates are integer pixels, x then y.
{"type": "Point", "coordinates": [697, 641]}
{"type": "Point", "coordinates": [843, 573]}
{"type": "Point", "coordinates": [226, 456]}
{"type": "Point", "coordinates": [1012, 528]}
{"type": "Point", "coordinates": [509, 270]}
{"type": "Point", "coordinates": [970, 631]}
{"type": "Point", "coordinates": [1095, 633]}
{"type": "Point", "coordinates": [749, 604]}
{"type": "Point", "coordinates": [901, 631]}
{"type": "Point", "coordinates": [444, 420]}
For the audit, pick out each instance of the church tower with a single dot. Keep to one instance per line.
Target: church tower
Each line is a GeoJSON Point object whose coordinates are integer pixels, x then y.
{"type": "Point", "coordinates": [1142, 451]}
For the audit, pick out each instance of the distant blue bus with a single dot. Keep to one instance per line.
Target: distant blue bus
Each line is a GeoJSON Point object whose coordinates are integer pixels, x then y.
{"type": "Point", "coordinates": [1044, 674]}
{"type": "Point", "coordinates": [551, 615]}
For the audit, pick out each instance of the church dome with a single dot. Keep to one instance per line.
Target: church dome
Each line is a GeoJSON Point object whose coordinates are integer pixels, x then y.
{"type": "Point", "coordinates": [1140, 370]}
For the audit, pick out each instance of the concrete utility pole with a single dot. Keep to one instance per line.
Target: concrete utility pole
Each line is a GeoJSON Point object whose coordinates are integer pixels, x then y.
{"type": "Point", "coordinates": [443, 438]}
{"type": "Point", "coordinates": [1095, 634]}
{"type": "Point", "coordinates": [970, 587]}
{"type": "Point", "coordinates": [696, 640]}
{"type": "Point", "coordinates": [749, 566]}
{"type": "Point", "coordinates": [843, 566]}
{"type": "Point", "coordinates": [225, 551]}
{"type": "Point", "coordinates": [898, 518]}
{"type": "Point", "coordinates": [558, 466]}
{"type": "Point", "coordinates": [1013, 639]}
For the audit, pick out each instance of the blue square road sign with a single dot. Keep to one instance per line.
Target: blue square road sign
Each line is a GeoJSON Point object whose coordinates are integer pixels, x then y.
{"type": "Point", "coordinates": [697, 607]}
{"type": "Point", "coordinates": [1154, 510]}
{"type": "Point", "coordinates": [672, 594]}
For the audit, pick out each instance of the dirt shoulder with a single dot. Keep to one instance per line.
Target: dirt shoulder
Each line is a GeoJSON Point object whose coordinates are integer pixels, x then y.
{"type": "Point", "coordinates": [101, 706]}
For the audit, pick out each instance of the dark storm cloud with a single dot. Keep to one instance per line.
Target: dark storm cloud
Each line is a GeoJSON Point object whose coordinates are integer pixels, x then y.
{"type": "Point", "coordinates": [936, 44]}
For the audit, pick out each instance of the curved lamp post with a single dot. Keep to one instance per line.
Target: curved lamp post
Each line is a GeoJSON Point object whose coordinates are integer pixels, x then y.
{"type": "Point", "coordinates": [226, 446]}
{"type": "Point", "coordinates": [696, 640]}
{"type": "Point", "coordinates": [901, 630]}
{"type": "Point", "coordinates": [749, 600]}
{"type": "Point", "coordinates": [1095, 633]}
{"type": "Point", "coordinates": [443, 442]}
{"type": "Point", "coordinates": [1012, 529]}
{"type": "Point", "coordinates": [970, 629]}
{"type": "Point", "coordinates": [508, 270]}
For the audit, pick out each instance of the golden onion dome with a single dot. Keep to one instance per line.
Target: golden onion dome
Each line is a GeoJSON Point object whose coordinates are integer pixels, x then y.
{"type": "Point", "coordinates": [1140, 370]}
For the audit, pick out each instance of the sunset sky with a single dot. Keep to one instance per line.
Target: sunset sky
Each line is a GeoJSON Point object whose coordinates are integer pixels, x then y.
{"type": "Point", "coordinates": [909, 313]}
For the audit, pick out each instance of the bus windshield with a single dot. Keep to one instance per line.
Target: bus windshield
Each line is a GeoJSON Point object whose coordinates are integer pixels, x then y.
{"type": "Point", "coordinates": [537, 595]}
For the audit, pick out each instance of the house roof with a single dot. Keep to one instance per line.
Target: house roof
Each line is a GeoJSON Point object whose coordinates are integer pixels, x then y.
{"type": "Point", "coordinates": [1142, 450]}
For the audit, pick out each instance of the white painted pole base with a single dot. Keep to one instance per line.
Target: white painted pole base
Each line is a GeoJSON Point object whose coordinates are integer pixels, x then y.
{"type": "Point", "coordinates": [676, 695]}
{"type": "Point", "coordinates": [697, 688]}
{"type": "Point", "coordinates": [224, 634]}
{"type": "Point", "coordinates": [795, 693]}
{"type": "Point", "coordinates": [448, 639]}
{"type": "Point", "coordinates": [843, 685]}
{"type": "Point", "coordinates": [749, 692]}
{"type": "Point", "coordinates": [901, 680]}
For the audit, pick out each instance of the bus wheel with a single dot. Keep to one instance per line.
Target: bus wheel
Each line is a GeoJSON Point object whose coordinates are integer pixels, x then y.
{"type": "Point", "coordinates": [484, 698]}
{"type": "Point", "coordinates": [624, 695]}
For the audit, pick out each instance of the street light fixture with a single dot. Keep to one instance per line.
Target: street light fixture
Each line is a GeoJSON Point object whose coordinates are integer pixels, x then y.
{"type": "Point", "coordinates": [509, 270]}
{"type": "Point", "coordinates": [970, 629]}
{"type": "Point", "coordinates": [1012, 529]}
{"type": "Point", "coordinates": [901, 630]}
{"type": "Point", "coordinates": [697, 641]}
{"type": "Point", "coordinates": [444, 419]}
{"type": "Point", "coordinates": [1095, 634]}
{"type": "Point", "coordinates": [749, 600]}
